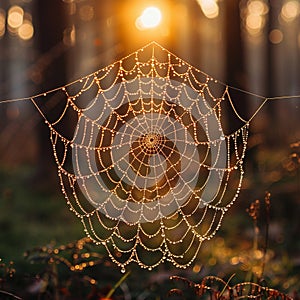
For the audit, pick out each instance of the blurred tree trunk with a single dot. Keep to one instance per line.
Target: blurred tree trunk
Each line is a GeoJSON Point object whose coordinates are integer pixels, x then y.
{"type": "Point", "coordinates": [234, 48]}
{"type": "Point", "coordinates": [51, 22]}
{"type": "Point", "coordinates": [235, 68]}
{"type": "Point", "coordinates": [281, 110]}
{"type": "Point", "coordinates": [270, 137]}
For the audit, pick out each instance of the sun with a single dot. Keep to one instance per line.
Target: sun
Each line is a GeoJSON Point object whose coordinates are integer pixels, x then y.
{"type": "Point", "coordinates": [150, 18]}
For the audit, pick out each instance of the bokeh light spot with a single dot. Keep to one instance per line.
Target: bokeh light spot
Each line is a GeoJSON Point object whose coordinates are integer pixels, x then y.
{"type": "Point", "coordinates": [254, 24]}
{"type": "Point", "coordinates": [290, 10]}
{"type": "Point", "coordinates": [257, 7]}
{"type": "Point", "coordinates": [26, 31]}
{"type": "Point", "coordinates": [197, 268]}
{"type": "Point", "coordinates": [150, 18]}
{"type": "Point", "coordinates": [15, 16]}
{"type": "Point", "coordinates": [276, 36]}
{"type": "Point", "coordinates": [2, 22]}
{"type": "Point", "coordinates": [210, 8]}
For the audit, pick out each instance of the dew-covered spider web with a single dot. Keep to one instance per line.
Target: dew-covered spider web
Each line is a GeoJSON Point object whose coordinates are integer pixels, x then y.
{"type": "Point", "coordinates": [146, 155]}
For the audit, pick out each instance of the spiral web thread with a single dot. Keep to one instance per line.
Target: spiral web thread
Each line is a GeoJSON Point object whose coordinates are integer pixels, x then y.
{"type": "Point", "coordinates": [143, 158]}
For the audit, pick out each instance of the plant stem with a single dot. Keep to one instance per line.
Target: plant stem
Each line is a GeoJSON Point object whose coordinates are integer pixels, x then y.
{"type": "Point", "coordinates": [10, 294]}
{"type": "Point", "coordinates": [117, 285]}
{"type": "Point", "coordinates": [226, 285]}
{"type": "Point", "coordinates": [268, 204]}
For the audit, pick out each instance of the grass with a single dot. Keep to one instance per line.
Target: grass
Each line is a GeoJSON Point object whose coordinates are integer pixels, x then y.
{"type": "Point", "coordinates": [35, 217]}
{"type": "Point", "coordinates": [30, 217]}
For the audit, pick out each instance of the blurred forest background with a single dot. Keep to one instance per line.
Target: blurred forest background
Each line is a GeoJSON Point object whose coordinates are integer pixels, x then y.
{"type": "Point", "coordinates": [253, 45]}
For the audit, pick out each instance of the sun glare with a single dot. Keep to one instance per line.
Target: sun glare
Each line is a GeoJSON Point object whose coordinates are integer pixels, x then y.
{"type": "Point", "coordinates": [150, 18]}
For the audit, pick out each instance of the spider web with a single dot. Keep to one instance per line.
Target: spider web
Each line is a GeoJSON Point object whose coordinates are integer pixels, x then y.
{"type": "Point", "coordinates": [144, 157]}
